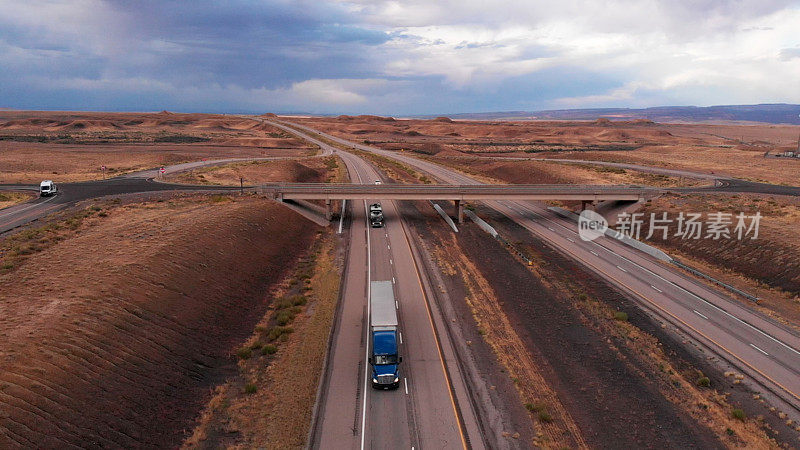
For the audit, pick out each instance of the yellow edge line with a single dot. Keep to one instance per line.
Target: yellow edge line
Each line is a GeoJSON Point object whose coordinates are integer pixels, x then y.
{"type": "Point", "coordinates": [438, 345]}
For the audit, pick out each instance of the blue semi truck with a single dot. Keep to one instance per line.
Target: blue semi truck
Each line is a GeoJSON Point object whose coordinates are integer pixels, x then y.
{"type": "Point", "coordinates": [384, 352]}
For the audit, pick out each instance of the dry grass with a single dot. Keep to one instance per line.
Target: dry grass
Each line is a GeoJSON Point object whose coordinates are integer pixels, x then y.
{"type": "Point", "coordinates": [110, 309]}
{"type": "Point", "coordinates": [74, 146]}
{"type": "Point", "coordinates": [545, 172]}
{"type": "Point", "coordinates": [278, 413]}
{"type": "Point", "coordinates": [10, 198]}
{"type": "Point", "coordinates": [706, 405]}
{"type": "Point", "coordinates": [312, 170]}
{"type": "Point", "coordinates": [728, 161]}
{"type": "Point", "coordinates": [559, 430]}
{"type": "Point", "coordinates": [735, 150]}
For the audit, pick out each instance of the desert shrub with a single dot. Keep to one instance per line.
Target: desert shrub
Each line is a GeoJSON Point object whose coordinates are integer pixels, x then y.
{"type": "Point", "coordinates": [283, 303]}
{"type": "Point", "coordinates": [284, 317]}
{"type": "Point", "coordinates": [244, 353]}
{"type": "Point", "coordinates": [621, 316]}
{"type": "Point", "coordinates": [268, 349]}
{"type": "Point", "coordinates": [738, 414]}
{"type": "Point", "coordinates": [256, 345]}
{"type": "Point", "coordinates": [535, 407]}
{"type": "Point", "coordinates": [250, 388]}
{"type": "Point", "coordinates": [545, 417]}
{"type": "Point", "coordinates": [703, 382]}
{"type": "Point", "coordinates": [276, 332]}
{"type": "Point", "coordinates": [299, 300]}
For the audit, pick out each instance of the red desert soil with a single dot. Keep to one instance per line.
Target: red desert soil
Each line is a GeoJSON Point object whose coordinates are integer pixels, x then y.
{"type": "Point", "coordinates": [735, 150]}
{"type": "Point", "coordinates": [114, 337]}
{"type": "Point", "coordinates": [624, 384]}
{"type": "Point", "coordinates": [613, 403]}
{"type": "Point", "coordinates": [74, 146]}
{"type": "Point", "coordinates": [306, 170]}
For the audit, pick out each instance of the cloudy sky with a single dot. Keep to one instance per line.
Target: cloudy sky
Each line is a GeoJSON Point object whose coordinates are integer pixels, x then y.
{"type": "Point", "coordinates": [396, 57]}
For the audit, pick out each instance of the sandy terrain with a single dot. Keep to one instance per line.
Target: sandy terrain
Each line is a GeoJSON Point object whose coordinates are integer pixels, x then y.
{"type": "Point", "coordinates": [270, 403]}
{"type": "Point", "coordinates": [583, 376]}
{"type": "Point", "coordinates": [119, 346]}
{"type": "Point", "coordinates": [544, 172]}
{"type": "Point", "coordinates": [308, 170]}
{"type": "Point", "coordinates": [734, 150]}
{"type": "Point", "coordinates": [616, 379]}
{"type": "Point", "coordinates": [74, 146]}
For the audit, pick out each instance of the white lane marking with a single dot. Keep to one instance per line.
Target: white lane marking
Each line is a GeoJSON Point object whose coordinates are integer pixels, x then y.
{"type": "Point", "coordinates": [405, 382]}
{"type": "Point", "coordinates": [620, 268]}
{"type": "Point", "coordinates": [390, 261]}
{"type": "Point", "coordinates": [754, 328]}
{"type": "Point", "coordinates": [393, 282]}
{"type": "Point", "coordinates": [593, 252]}
{"type": "Point", "coordinates": [571, 240]}
{"type": "Point", "coordinates": [396, 305]}
{"type": "Point", "coordinates": [762, 351]}
{"type": "Point", "coordinates": [387, 246]}
{"type": "Point", "coordinates": [696, 312]}
{"type": "Point", "coordinates": [658, 290]}
{"type": "Point", "coordinates": [341, 216]}
{"type": "Point", "coordinates": [550, 229]}
{"type": "Point", "coordinates": [366, 349]}
{"type": "Point", "coordinates": [13, 213]}
{"type": "Point", "coordinates": [401, 336]}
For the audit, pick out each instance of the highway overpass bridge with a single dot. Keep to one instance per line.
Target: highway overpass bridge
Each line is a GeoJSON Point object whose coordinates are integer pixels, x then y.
{"type": "Point", "coordinates": [589, 195]}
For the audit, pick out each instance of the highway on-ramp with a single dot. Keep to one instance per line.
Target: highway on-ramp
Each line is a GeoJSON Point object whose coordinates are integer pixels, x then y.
{"type": "Point", "coordinates": [765, 350]}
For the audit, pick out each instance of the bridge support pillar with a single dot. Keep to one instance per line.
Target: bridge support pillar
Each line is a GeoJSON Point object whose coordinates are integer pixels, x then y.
{"type": "Point", "coordinates": [459, 211]}
{"type": "Point", "coordinates": [328, 211]}
{"type": "Point", "coordinates": [588, 204]}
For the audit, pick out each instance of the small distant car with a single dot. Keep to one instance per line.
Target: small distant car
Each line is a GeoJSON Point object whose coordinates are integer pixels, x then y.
{"type": "Point", "coordinates": [47, 188]}
{"type": "Point", "coordinates": [377, 181]}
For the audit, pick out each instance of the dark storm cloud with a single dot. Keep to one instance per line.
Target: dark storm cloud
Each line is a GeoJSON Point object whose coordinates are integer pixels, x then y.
{"type": "Point", "coordinates": [394, 57]}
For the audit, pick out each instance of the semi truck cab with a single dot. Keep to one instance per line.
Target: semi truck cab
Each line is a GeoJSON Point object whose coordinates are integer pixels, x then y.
{"type": "Point", "coordinates": [385, 360]}
{"type": "Point", "coordinates": [376, 215]}
{"type": "Point", "coordinates": [384, 355]}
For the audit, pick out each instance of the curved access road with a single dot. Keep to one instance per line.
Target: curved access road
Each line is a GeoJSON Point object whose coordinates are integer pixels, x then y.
{"type": "Point", "coordinates": [71, 193]}
{"type": "Point", "coordinates": [761, 348]}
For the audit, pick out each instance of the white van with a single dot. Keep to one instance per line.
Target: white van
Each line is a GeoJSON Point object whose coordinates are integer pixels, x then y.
{"type": "Point", "coordinates": [47, 187]}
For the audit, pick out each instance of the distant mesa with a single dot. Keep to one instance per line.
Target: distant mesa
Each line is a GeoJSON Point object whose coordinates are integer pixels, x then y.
{"type": "Point", "coordinates": [376, 118]}
{"type": "Point", "coordinates": [603, 122]}
{"type": "Point", "coordinates": [269, 115]}
{"type": "Point", "coordinates": [443, 119]}
{"type": "Point", "coordinates": [164, 112]}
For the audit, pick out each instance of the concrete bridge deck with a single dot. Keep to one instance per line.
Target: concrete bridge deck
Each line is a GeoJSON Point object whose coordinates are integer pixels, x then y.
{"type": "Point", "coordinates": [587, 194]}
{"type": "Point", "coordinates": [327, 191]}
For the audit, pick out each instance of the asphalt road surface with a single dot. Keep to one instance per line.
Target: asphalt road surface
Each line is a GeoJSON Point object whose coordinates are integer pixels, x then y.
{"type": "Point", "coordinates": [758, 346]}
{"type": "Point", "coordinates": [422, 413]}
{"type": "Point", "coordinates": [71, 193]}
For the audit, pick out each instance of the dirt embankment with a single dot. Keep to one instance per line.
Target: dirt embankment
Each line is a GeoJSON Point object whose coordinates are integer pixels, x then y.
{"type": "Point", "coordinates": [544, 172]}
{"type": "Point", "coordinates": [308, 170]}
{"type": "Point", "coordinates": [585, 376]}
{"type": "Point", "coordinates": [766, 266]}
{"type": "Point", "coordinates": [113, 338]}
